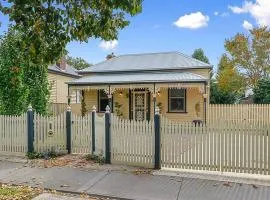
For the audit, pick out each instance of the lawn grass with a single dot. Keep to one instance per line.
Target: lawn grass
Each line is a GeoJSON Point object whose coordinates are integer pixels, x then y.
{"type": "Point", "coordinates": [8, 192]}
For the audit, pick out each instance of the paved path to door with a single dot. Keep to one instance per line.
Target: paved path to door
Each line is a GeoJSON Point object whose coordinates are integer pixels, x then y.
{"type": "Point", "coordinates": [125, 185]}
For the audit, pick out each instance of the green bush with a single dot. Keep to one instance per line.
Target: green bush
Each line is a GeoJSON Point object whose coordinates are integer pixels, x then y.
{"type": "Point", "coordinates": [262, 92]}
{"type": "Point", "coordinates": [44, 155]}
{"type": "Point", "coordinates": [34, 155]}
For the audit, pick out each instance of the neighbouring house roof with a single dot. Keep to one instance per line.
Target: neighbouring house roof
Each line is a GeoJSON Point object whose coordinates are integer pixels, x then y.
{"type": "Point", "coordinates": [146, 77]}
{"type": "Point", "coordinates": [147, 61]}
{"type": "Point", "coordinates": [69, 71]}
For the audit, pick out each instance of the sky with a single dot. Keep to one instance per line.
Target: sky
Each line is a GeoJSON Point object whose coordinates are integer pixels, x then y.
{"type": "Point", "coordinates": [177, 25]}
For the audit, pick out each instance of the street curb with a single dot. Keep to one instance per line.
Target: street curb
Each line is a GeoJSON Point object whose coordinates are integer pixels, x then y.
{"type": "Point", "coordinates": [249, 179]}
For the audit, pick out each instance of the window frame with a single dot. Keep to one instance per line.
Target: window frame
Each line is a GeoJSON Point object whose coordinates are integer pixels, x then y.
{"type": "Point", "coordinates": [98, 100]}
{"type": "Point", "coordinates": [185, 101]}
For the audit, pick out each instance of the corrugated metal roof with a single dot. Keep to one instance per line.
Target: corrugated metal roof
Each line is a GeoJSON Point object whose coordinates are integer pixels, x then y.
{"type": "Point", "coordinates": [139, 78]}
{"type": "Point", "coordinates": [71, 71]}
{"type": "Point", "coordinates": [147, 61]}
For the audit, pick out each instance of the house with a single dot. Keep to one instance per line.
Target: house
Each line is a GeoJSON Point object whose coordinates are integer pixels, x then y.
{"type": "Point", "coordinates": [58, 75]}
{"type": "Point", "coordinates": [133, 84]}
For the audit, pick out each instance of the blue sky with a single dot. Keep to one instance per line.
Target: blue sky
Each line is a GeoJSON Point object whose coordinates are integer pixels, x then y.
{"type": "Point", "coordinates": [154, 30]}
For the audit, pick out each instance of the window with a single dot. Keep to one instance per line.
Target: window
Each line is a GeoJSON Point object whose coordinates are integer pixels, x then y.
{"type": "Point", "coordinates": [103, 101]}
{"type": "Point", "coordinates": [177, 100]}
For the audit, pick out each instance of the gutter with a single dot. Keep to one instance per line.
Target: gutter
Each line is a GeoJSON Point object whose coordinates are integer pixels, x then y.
{"type": "Point", "coordinates": [121, 83]}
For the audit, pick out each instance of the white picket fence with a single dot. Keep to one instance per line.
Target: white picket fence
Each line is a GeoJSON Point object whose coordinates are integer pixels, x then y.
{"type": "Point", "coordinates": [241, 146]}
{"type": "Point", "coordinates": [132, 142]}
{"type": "Point", "coordinates": [50, 133]}
{"type": "Point", "coordinates": [13, 134]}
{"type": "Point", "coordinates": [228, 147]}
{"type": "Point", "coordinates": [81, 134]}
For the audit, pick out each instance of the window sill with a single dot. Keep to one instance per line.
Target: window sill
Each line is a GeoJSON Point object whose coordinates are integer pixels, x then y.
{"type": "Point", "coordinates": [178, 112]}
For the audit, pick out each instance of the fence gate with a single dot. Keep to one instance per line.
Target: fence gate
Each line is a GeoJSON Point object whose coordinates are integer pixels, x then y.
{"type": "Point", "coordinates": [50, 133]}
{"type": "Point", "coordinates": [13, 134]}
{"type": "Point", "coordinates": [81, 134]}
{"type": "Point", "coordinates": [132, 142]}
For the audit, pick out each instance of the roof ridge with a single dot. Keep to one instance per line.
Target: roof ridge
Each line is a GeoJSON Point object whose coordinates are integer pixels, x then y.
{"type": "Point", "coordinates": [190, 57]}
{"type": "Point", "coordinates": [153, 53]}
{"type": "Point", "coordinates": [86, 69]}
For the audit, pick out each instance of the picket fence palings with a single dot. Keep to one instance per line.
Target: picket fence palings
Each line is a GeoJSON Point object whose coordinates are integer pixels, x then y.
{"type": "Point", "coordinates": [241, 147]}
{"type": "Point", "coordinates": [133, 141]}
{"type": "Point", "coordinates": [13, 134]}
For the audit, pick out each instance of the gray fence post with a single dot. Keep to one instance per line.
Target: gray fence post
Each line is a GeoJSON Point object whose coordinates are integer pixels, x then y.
{"type": "Point", "coordinates": [68, 128]}
{"type": "Point", "coordinates": [30, 129]}
{"type": "Point", "coordinates": [94, 110]}
{"type": "Point", "coordinates": [157, 139]}
{"type": "Point", "coordinates": [108, 136]}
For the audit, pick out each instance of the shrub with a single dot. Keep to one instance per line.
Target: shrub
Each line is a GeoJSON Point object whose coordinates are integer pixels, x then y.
{"type": "Point", "coordinates": [34, 155]}
{"type": "Point", "coordinates": [96, 158]}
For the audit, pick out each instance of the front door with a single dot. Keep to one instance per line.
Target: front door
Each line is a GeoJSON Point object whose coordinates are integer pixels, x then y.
{"type": "Point", "coordinates": [139, 105]}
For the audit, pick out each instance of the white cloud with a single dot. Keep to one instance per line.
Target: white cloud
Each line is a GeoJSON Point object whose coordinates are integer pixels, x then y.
{"type": "Point", "coordinates": [108, 45]}
{"type": "Point", "coordinates": [247, 25]}
{"type": "Point", "coordinates": [225, 14]}
{"type": "Point", "coordinates": [259, 10]}
{"type": "Point", "coordinates": [192, 21]}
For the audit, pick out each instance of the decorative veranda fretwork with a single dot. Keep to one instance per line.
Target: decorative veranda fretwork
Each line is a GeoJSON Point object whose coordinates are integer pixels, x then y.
{"type": "Point", "coordinates": [153, 88]}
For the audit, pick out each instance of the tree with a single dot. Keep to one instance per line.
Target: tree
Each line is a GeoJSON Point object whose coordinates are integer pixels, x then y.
{"type": "Point", "coordinates": [217, 96]}
{"type": "Point", "coordinates": [13, 92]}
{"type": "Point", "coordinates": [199, 55]}
{"type": "Point", "coordinates": [48, 25]}
{"type": "Point", "coordinates": [78, 63]}
{"type": "Point", "coordinates": [262, 91]}
{"type": "Point", "coordinates": [22, 82]}
{"type": "Point", "coordinates": [110, 56]}
{"type": "Point", "coordinates": [228, 78]}
{"type": "Point", "coordinates": [36, 80]}
{"type": "Point", "coordinates": [250, 54]}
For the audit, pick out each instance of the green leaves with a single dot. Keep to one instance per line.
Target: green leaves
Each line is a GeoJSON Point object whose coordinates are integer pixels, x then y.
{"type": "Point", "coordinates": [199, 55]}
{"type": "Point", "coordinates": [262, 91]}
{"type": "Point", "coordinates": [250, 54]}
{"type": "Point", "coordinates": [22, 82]}
{"type": "Point", "coordinates": [50, 24]}
{"type": "Point", "coordinates": [78, 63]}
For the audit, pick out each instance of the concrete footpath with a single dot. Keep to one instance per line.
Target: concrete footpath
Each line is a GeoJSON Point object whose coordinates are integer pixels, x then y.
{"type": "Point", "coordinates": [126, 185]}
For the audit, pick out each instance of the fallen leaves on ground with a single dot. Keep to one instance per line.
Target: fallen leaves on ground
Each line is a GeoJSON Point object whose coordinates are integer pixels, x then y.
{"type": "Point", "coordinates": [8, 192]}
{"type": "Point", "coordinates": [79, 161]}
{"type": "Point", "coordinates": [142, 171]}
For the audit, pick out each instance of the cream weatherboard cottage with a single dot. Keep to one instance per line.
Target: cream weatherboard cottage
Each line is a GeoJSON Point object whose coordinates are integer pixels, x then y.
{"type": "Point", "coordinates": [58, 75]}
{"type": "Point", "coordinates": [133, 84]}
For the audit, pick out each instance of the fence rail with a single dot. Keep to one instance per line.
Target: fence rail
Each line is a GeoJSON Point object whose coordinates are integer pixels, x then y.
{"type": "Point", "coordinates": [239, 113]}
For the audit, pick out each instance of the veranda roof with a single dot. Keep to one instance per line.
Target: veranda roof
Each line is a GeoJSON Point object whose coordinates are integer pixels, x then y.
{"type": "Point", "coordinates": [129, 78]}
